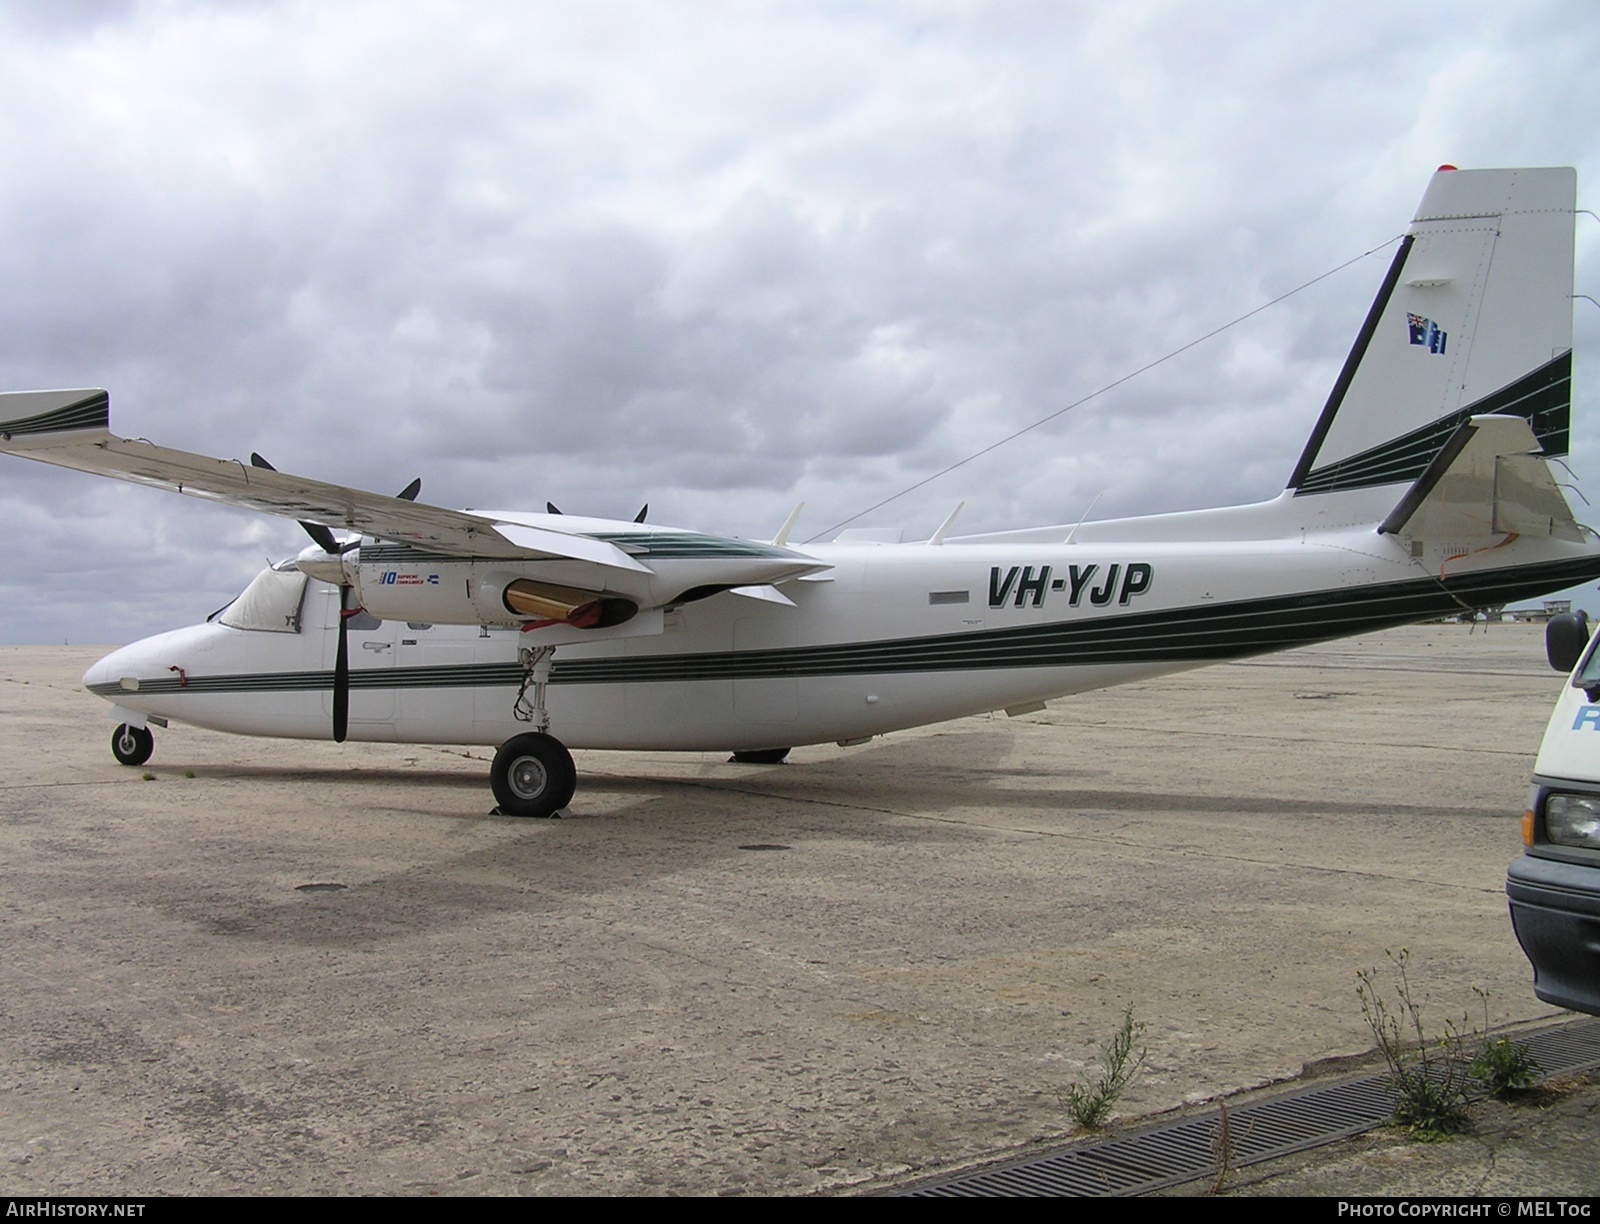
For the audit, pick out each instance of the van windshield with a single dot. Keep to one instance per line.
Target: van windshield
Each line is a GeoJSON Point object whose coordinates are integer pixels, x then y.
{"type": "Point", "coordinates": [1588, 673]}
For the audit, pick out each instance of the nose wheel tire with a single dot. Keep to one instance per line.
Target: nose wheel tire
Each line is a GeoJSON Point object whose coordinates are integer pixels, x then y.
{"type": "Point", "coordinates": [132, 745]}
{"type": "Point", "coordinates": [761, 756]}
{"type": "Point", "coordinates": [533, 775]}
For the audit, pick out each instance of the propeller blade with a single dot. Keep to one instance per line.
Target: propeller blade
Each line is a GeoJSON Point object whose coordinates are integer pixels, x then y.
{"type": "Point", "coordinates": [409, 493]}
{"type": "Point", "coordinates": [341, 673]}
{"type": "Point", "coordinates": [320, 535]}
{"type": "Point", "coordinates": [643, 510]}
{"type": "Point", "coordinates": [322, 538]}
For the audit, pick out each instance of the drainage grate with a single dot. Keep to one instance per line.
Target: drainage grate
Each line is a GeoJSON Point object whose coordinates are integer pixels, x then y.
{"type": "Point", "coordinates": [1567, 1048]}
{"type": "Point", "coordinates": [1172, 1153]}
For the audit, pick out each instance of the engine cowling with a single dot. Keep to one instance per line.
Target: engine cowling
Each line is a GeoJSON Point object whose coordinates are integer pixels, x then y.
{"type": "Point", "coordinates": [401, 582]}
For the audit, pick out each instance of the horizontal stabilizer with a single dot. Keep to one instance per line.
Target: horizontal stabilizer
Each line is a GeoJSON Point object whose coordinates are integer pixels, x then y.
{"type": "Point", "coordinates": [1487, 480]}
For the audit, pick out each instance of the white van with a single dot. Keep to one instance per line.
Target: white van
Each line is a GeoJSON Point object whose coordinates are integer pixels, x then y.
{"type": "Point", "coordinates": [1554, 888]}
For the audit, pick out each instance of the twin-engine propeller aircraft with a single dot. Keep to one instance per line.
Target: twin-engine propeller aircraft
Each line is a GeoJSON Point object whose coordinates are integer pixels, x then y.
{"type": "Point", "coordinates": [1423, 490]}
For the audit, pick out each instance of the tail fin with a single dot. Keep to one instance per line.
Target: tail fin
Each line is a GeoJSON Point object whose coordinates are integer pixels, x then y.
{"type": "Point", "coordinates": [1474, 318]}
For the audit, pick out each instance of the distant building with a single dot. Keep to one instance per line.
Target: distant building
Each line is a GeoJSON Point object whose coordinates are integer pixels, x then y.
{"type": "Point", "coordinates": [1550, 607]}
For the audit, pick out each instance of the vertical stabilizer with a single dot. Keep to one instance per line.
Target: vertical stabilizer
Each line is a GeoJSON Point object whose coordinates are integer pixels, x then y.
{"type": "Point", "coordinates": [1474, 317]}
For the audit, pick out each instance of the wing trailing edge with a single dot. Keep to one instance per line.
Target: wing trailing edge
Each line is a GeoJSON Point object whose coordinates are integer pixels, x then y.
{"type": "Point", "coordinates": [70, 429]}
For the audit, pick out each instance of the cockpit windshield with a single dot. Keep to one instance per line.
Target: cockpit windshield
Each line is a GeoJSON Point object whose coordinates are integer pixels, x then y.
{"type": "Point", "coordinates": [271, 603]}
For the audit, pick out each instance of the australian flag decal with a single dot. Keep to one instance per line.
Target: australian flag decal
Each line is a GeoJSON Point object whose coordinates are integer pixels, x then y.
{"type": "Point", "coordinates": [1426, 332]}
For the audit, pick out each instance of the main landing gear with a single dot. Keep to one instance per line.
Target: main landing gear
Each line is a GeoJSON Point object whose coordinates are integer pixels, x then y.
{"type": "Point", "coordinates": [132, 745]}
{"type": "Point", "coordinates": [533, 773]}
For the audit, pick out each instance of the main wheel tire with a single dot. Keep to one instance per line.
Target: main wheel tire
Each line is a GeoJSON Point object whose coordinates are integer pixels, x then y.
{"type": "Point", "coordinates": [132, 745]}
{"type": "Point", "coordinates": [533, 775]}
{"type": "Point", "coordinates": [762, 756]}
{"type": "Point", "coordinates": [569, 782]}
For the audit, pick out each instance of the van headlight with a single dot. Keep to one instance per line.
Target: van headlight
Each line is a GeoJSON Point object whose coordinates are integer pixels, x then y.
{"type": "Point", "coordinates": [1573, 820]}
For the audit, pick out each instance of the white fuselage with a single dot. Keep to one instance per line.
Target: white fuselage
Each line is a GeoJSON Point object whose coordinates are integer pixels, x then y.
{"type": "Point", "coordinates": [891, 636]}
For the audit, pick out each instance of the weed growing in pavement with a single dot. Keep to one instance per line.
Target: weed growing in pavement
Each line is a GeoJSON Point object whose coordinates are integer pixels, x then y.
{"type": "Point", "coordinates": [1506, 1068]}
{"type": "Point", "coordinates": [1224, 1161]}
{"type": "Point", "coordinates": [1429, 1074]}
{"type": "Point", "coordinates": [1091, 1104]}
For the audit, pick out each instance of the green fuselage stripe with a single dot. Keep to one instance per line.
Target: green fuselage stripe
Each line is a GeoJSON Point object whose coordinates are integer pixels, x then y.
{"type": "Point", "coordinates": [1176, 636]}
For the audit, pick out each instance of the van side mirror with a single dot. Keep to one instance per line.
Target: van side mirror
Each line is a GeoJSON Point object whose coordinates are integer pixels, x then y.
{"type": "Point", "coordinates": [1565, 636]}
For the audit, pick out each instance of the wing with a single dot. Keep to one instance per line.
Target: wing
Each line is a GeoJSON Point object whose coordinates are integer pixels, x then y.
{"type": "Point", "coordinates": [71, 429]}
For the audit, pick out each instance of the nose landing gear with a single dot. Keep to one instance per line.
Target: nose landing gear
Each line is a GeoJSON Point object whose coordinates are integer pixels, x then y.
{"type": "Point", "coordinates": [132, 745]}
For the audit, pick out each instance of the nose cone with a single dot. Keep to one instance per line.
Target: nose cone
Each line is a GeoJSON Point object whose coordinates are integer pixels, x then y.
{"type": "Point", "coordinates": [108, 672]}
{"type": "Point", "coordinates": [103, 672]}
{"type": "Point", "coordinates": [117, 676]}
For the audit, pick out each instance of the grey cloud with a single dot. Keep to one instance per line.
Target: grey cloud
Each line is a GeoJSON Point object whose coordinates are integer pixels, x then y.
{"type": "Point", "coordinates": [627, 253]}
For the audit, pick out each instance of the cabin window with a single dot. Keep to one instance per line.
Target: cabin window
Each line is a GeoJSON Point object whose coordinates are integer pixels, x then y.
{"type": "Point", "coordinates": [270, 604]}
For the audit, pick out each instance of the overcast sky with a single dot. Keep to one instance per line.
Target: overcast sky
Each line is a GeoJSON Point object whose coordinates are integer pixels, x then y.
{"type": "Point", "coordinates": [722, 258]}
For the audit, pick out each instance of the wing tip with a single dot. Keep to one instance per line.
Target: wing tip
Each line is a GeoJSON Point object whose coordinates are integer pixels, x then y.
{"type": "Point", "coordinates": [53, 412]}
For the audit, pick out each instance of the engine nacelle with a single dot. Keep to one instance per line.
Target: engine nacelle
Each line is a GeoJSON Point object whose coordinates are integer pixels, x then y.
{"type": "Point", "coordinates": [548, 603]}
{"type": "Point", "coordinates": [401, 582]}
{"type": "Point", "coordinates": [478, 593]}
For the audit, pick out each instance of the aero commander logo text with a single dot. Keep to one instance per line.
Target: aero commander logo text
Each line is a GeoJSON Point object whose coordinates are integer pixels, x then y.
{"type": "Point", "coordinates": [1027, 588]}
{"type": "Point", "coordinates": [397, 578]}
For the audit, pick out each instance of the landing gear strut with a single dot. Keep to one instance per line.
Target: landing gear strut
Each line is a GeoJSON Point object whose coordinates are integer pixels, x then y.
{"type": "Point", "coordinates": [132, 745]}
{"type": "Point", "coordinates": [535, 663]}
{"type": "Point", "coordinates": [533, 773]}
